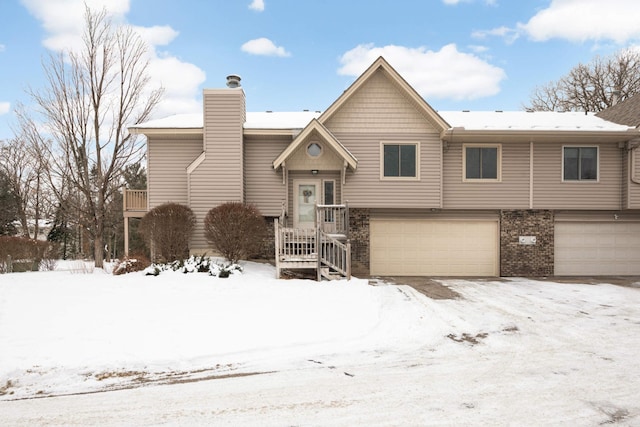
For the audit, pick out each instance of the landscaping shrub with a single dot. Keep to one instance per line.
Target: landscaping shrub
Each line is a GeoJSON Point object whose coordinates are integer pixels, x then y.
{"type": "Point", "coordinates": [167, 228]}
{"type": "Point", "coordinates": [237, 230]}
{"type": "Point", "coordinates": [23, 254]}
{"type": "Point", "coordinates": [131, 264]}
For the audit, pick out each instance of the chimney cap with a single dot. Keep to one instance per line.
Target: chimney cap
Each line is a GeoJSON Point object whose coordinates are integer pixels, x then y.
{"type": "Point", "coordinates": [233, 80]}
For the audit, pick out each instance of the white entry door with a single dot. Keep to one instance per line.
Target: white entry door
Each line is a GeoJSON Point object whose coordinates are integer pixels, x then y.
{"type": "Point", "coordinates": [305, 197]}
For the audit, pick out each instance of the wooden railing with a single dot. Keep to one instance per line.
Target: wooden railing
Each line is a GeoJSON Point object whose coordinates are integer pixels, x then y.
{"type": "Point", "coordinates": [333, 219]}
{"type": "Point", "coordinates": [334, 255]}
{"type": "Point", "coordinates": [134, 200]}
{"type": "Point", "coordinates": [325, 248]}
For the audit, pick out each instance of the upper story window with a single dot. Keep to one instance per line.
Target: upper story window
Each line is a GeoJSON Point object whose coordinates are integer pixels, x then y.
{"type": "Point", "coordinates": [580, 163]}
{"type": "Point", "coordinates": [482, 162]}
{"type": "Point", "coordinates": [314, 149]}
{"type": "Point", "coordinates": [399, 160]}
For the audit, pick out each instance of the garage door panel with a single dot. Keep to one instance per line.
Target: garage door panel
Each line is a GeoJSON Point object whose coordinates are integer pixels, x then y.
{"type": "Point", "coordinates": [437, 248]}
{"type": "Point", "coordinates": [597, 248]}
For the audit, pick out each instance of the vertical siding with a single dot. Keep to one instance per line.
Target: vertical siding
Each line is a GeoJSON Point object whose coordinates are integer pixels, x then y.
{"type": "Point", "coordinates": [219, 178]}
{"type": "Point", "coordinates": [512, 192]}
{"type": "Point", "coordinates": [263, 185]}
{"type": "Point", "coordinates": [550, 192]}
{"type": "Point", "coordinates": [633, 188]}
{"type": "Point", "coordinates": [168, 159]}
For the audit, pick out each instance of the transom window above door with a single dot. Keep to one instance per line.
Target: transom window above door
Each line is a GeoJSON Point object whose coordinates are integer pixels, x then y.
{"type": "Point", "coordinates": [482, 162]}
{"type": "Point", "coordinates": [399, 160]}
{"type": "Point", "coordinates": [580, 163]}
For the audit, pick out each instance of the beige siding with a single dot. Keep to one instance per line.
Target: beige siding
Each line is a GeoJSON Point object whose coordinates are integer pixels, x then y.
{"type": "Point", "coordinates": [168, 159]}
{"type": "Point", "coordinates": [512, 192]}
{"type": "Point", "coordinates": [378, 106]}
{"type": "Point", "coordinates": [365, 189]}
{"type": "Point", "coordinates": [219, 178]}
{"type": "Point", "coordinates": [550, 192]}
{"type": "Point", "coordinates": [263, 185]}
{"type": "Point", "coordinates": [633, 189]}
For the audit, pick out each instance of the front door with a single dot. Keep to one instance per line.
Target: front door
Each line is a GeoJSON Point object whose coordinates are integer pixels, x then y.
{"type": "Point", "coordinates": [304, 206]}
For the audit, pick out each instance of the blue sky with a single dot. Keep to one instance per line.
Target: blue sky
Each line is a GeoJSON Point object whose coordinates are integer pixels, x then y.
{"type": "Point", "coordinates": [301, 54]}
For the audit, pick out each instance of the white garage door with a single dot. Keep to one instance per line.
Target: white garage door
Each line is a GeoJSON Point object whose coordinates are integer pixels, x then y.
{"type": "Point", "coordinates": [434, 248]}
{"type": "Point", "coordinates": [597, 248]}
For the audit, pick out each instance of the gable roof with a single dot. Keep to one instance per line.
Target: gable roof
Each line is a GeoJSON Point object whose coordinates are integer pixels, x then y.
{"type": "Point", "coordinates": [626, 112]}
{"type": "Point", "coordinates": [316, 126]}
{"type": "Point", "coordinates": [381, 64]}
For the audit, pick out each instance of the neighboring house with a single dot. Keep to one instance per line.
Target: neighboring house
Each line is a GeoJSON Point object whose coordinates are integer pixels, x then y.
{"type": "Point", "coordinates": [429, 193]}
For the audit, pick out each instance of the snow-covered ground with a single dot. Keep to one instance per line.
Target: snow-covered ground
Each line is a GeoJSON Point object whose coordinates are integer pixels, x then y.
{"type": "Point", "coordinates": [191, 349]}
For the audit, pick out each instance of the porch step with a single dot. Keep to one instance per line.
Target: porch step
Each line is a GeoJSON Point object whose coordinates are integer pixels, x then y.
{"type": "Point", "coordinates": [330, 274]}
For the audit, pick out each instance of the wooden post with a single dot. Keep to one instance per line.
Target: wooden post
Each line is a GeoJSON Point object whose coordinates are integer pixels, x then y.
{"type": "Point", "coordinates": [277, 246]}
{"type": "Point", "coordinates": [126, 236]}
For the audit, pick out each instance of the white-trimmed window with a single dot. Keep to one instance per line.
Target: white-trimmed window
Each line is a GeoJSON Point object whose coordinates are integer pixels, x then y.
{"type": "Point", "coordinates": [482, 162]}
{"type": "Point", "coordinates": [580, 163]}
{"type": "Point", "coordinates": [399, 160]}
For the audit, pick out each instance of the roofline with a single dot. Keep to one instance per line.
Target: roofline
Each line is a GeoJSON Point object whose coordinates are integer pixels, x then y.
{"type": "Point", "coordinates": [612, 135]}
{"type": "Point", "coordinates": [431, 114]}
{"type": "Point", "coordinates": [165, 131]}
{"type": "Point", "coordinates": [324, 133]}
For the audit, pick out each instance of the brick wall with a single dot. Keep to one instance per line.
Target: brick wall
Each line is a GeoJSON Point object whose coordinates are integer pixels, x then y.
{"type": "Point", "coordinates": [359, 237]}
{"type": "Point", "coordinates": [526, 260]}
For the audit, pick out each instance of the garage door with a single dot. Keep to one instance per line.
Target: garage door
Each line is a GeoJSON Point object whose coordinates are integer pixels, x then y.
{"type": "Point", "coordinates": [597, 248]}
{"type": "Point", "coordinates": [434, 248]}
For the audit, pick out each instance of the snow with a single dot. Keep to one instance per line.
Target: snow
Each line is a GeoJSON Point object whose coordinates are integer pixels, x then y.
{"type": "Point", "coordinates": [470, 120]}
{"type": "Point", "coordinates": [529, 121]}
{"type": "Point", "coordinates": [192, 349]}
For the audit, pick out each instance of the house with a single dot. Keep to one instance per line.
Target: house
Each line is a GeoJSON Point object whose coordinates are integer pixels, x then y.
{"type": "Point", "coordinates": [419, 191]}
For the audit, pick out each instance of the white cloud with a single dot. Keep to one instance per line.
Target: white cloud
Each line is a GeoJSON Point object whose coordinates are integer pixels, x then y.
{"type": "Point", "coordinates": [478, 48]}
{"type": "Point", "coordinates": [582, 20]}
{"type": "Point", "coordinates": [510, 35]}
{"type": "Point", "coordinates": [257, 5]}
{"type": "Point", "coordinates": [2, 47]}
{"type": "Point", "coordinates": [447, 73]}
{"type": "Point", "coordinates": [455, 2]}
{"type": "Point", "coordinates": [63, 21]}
{"type": "Point", "coordinates": [4, 107]}
{"type": "Point", "coordinates": [264, 46]}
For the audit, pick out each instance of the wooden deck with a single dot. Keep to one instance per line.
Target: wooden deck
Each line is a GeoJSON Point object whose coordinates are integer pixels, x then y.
{"type": "Point", "coordinates": [325, 249]}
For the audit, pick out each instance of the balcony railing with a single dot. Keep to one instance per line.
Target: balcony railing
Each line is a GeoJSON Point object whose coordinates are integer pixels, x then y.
{"type": "Point", "coordinates": [134, 200]}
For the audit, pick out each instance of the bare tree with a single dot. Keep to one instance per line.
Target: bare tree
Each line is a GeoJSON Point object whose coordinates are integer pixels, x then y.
{"type": "Point", "coordinates": [91, 96]}
{"type": "Point", "coordinates": [591, 87]}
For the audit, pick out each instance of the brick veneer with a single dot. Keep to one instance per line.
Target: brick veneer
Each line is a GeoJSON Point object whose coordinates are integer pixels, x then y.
{"type": "Point", "coordinates": [526, 260]}
{"type": "Point", "coordinates": [359, 237]}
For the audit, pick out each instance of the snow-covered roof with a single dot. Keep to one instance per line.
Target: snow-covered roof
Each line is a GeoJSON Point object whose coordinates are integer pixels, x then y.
{"type": "Point", "coordinates": [528, 120]}
{"type": "Point", "coordinates": [257, 120]}
{"type": "Point", "coordinates": [469, 120]}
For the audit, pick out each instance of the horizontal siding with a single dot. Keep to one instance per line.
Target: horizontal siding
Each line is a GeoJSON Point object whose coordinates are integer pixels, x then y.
{"type": "Point", "coordinates": [168, 159]}
{"type": "Point", "coordinates": [633, 189]}
{"type": "Point", "coordinates": [263, 185]}
{"type": "Point", "coordinates": [219, 179]}
{"type": "Point", "coordinates": [511, 193]}
{"type": "Point", "coordinates": [365, 189]}
{"type": "Point", "coordinates": [378, 105]}
{"type": "Point", "coordinates": [550, 192]}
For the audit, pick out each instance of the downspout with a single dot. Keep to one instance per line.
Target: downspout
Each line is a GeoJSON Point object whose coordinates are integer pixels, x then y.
{"type": "Point", "coordinates": [633, 165]}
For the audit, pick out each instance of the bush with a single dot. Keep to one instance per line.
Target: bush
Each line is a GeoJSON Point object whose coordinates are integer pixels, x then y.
{"type": "Point", "coordinates": [236, 230]}
{"type": "Point", "coordinates": [168, 228]}
{"type": "Point", "coordinates": [195, 264]}
{"type": "Point", "coordinates": [23, 254]}
{"type": "Point", "coordinates": [131, 264]}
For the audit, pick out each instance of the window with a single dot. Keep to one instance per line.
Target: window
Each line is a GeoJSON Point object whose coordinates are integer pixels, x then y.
{"type": "Point", "coordinates": [482, 162]}
{"type": "Point", "coordinates": [314, 149]}
{"type": "Point", "coordinates": [399, 160]}
{"type": "Point", "coordinates": [580, 164]}
{"type": "Point", "coordinates": [328, 187]}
